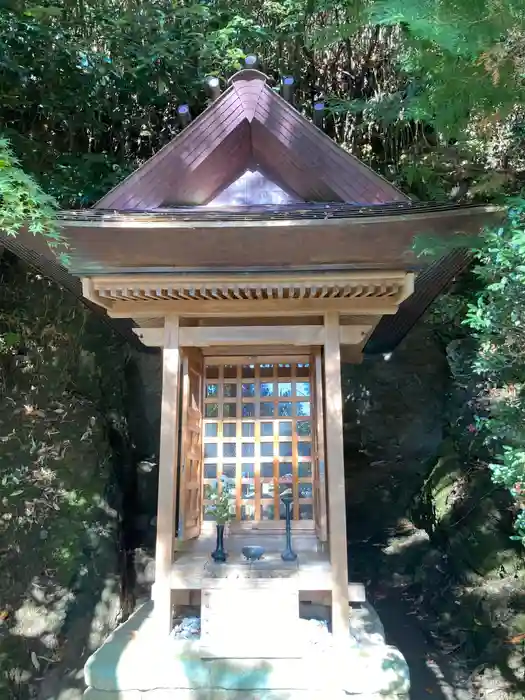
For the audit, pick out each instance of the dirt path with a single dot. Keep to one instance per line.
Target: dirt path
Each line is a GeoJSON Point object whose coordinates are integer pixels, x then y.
{"type": "Point", "coordinates": [433, 674]}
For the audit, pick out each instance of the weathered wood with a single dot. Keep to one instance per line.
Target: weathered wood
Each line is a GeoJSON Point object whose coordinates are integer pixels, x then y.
{"type": "Point", "coordinates": [169, 435]}
{"type": "Point", "coordinates": [336, 477]}
{"type": "Point", "coordinates": [270, 525]}
{"type": "Point", "coordinates": [306, 155]}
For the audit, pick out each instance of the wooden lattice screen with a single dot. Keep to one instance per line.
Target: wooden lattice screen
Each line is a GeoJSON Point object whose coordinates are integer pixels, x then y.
{"type": "Point", "coordinates": [258, 436]}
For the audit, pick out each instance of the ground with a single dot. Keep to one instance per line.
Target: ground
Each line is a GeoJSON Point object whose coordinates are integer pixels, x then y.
{"type": "Point", "coordinates": [440, 667]}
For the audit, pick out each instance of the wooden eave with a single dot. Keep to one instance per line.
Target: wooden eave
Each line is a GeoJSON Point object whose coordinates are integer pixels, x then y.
{"type": "Point", "coordinates": [249, 126]}
{"type": "Point", "coordinates": [129, 244]}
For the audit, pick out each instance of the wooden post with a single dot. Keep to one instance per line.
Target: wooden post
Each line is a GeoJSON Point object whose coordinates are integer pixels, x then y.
{"type": "Point", "coordinates": [167, 494]}
{"type": "Point", "coordinates": [336, 477]}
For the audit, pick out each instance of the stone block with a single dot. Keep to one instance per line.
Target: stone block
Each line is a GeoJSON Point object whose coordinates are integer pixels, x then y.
{"type": "Point", "coordinates": [266, 675]}
{"type": "Point", "coordinates": [259, 613]}
{"type": "Point", "coordinates": [94, 694]}
{"type": "Point", "coordinates": [365, 625]}
{"type": "Point", "coordinates": [135, 658]}
{"type": "Point", "coordinates": [292, 694]}
{"type": "Point", "coordinates": [365, 670]}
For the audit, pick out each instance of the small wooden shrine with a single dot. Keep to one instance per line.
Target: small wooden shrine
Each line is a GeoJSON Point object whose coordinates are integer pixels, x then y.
{"type": "Point", "coordinates": [257, 254]}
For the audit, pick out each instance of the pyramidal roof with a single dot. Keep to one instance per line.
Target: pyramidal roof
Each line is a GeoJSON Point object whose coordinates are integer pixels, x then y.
{"type": "Point", "coordinates": [249, 128]}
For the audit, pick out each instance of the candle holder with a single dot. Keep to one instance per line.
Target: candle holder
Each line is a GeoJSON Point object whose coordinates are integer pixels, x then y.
{"type": "Point", "coordinates": [287, 499]}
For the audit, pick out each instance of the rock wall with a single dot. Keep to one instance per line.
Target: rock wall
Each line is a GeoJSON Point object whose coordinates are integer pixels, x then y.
{"type": "Point", "coordinates": [145, 392]}
{"type": "Point", "coordinates": [62, 385]}
{"type": "Point", "coordinates": [394, 413]}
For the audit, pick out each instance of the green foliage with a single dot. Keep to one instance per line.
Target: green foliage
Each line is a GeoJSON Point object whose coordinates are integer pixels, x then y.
{"type": "Point", "coordinates": [496, 317]}
{"type": "Point", "coordinates": [89, 90]}
{"type": "Point", "coordinates": [24, 204]}
{"type": "Point", "coordinates": [221, 506]}
{"type": "Point", "coordinates": [461, 58]}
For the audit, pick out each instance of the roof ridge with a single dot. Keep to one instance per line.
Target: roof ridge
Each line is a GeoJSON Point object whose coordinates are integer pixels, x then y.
{"type": "Point", "coordinates": [248, 74]}
{"type": "Point", "coordinates": [249, 86]}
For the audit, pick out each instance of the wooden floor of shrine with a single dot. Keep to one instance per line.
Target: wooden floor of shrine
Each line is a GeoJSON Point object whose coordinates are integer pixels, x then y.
{"type": "Point", "coordinates": [194, 569]}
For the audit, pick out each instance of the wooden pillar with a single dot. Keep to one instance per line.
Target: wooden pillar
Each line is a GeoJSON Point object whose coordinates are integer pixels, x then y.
{"type": "Point", "coordinates": [167, 493]}
{"type": "Point", "coordinates": [336, 477]}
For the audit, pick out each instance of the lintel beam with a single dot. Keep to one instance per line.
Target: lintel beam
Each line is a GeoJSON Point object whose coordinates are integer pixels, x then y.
{"type": "Point", "coordinates": [208, 336]}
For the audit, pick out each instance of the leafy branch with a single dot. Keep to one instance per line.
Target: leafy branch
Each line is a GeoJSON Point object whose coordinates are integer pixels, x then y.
{"type": "Point", "coordinates": [23, 204]}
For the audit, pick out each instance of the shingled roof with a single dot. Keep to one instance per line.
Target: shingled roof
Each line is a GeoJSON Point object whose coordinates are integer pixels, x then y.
{"type": "Point", "coordinates": [250, 127]}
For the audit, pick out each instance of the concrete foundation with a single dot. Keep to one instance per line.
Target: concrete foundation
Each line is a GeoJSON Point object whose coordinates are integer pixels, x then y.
{"type": "Point", "coordinates": [135, 664]}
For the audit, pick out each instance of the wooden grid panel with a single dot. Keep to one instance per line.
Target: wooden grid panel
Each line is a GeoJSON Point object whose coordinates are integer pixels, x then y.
{"type": "Point", "coordinates": [258, 436]}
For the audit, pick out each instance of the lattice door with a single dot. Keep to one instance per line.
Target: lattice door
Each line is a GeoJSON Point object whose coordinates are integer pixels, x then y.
{"type": "Point", "coordinates": [258, 436]}
{"type": "Point", "coordinates": [190, 492]}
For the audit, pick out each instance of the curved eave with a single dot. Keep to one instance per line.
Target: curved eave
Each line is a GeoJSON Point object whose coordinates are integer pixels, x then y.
{"type": "Point", "coordinates": [128, 243]}
{"type": "Point", "coordinates": [364, 242]}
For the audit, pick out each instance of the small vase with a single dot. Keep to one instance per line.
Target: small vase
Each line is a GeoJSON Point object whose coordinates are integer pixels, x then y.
{"type": "Point", "coordinates": [219, 555]}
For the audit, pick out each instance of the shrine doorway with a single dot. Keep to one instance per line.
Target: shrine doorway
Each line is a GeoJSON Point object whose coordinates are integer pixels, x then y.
{"type": "Point", "coordinates": [253, 427]}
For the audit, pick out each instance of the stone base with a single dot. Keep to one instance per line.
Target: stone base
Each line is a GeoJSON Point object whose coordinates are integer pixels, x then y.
{"type": "Point", "coordinates": [136, 664]}
{"type": "Point", "coordinates": [219, 694]}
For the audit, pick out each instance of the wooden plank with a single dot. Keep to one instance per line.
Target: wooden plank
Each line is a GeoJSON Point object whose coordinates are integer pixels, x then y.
{"type": "Point", "coordinates": [238, 441]}
{"type": "Point", "coordinates": [270, 525]}
{"type": "Point", "coordinates": [295, 454]}
{"type": "Point", "coordinates": [230, 359]}
{"type": "Point", "coordinates": [257, 440]}
{"type": "Point", "coordinates": [241, 335]}
{"type": "Point", "coordinates": [263, 307]}
{"type": "Point", "coordinates": [320, 514]}
{"type": "Point", "coordinates": [218, 279]}
{"type": "Point", "coordinates": [169, 436]}
{"type": "Point", "coordinates": [336, 477]}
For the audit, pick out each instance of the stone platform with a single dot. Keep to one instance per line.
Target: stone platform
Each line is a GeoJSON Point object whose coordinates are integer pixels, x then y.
{"type": "Point", "coordinates": [135, 664]}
